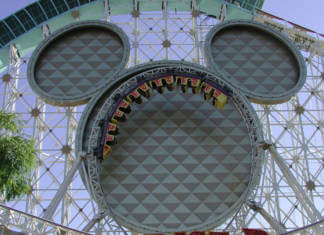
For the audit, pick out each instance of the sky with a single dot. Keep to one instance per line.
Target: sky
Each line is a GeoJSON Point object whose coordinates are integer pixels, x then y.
{"type": "Point", "coordinates": [307, 13]}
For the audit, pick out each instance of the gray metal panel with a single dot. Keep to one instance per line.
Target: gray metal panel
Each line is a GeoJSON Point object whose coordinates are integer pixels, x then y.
{"type": "Point", "coordinates": [179, 163]}
{"type": "Point", "coordinates": [76, 61]}
{"type": "Point", "coordinates": [195, 142]}
{"type": "Point", "coordinates": [263, 63]}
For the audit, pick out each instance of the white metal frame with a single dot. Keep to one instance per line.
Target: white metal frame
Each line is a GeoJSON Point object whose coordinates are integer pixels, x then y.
{"type": "Point", "coordinates": [297, 133]}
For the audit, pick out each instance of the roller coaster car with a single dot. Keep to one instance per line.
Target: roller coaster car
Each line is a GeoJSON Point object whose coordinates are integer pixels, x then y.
{"type": "Point", "coordinates": [207, 90]}
{"type": "Point", "coordinates": [106, 151]}
{"type": "Point", "coordinates": [124, 106]}
{"type": "Point", "coordinates": [157, 84]}
{"type": "Point", "coordinates": [134, 96]}
{"type": "Point", "coordinates": [110, 140]}
{"type": "Point", "coordinates": [183, 82]}
{"type": "Point", "coordinates": [119, 116]}
{"type": "Point", "coordinates": [219, 99]}
{"type": "Point", "coordinates": [168, 82]}
{"type": "Point", "coordinates": [194, 83]}
{"type": "Point", "coordinates": [144, 90]}
{"type": "Point", "coordinates": [112, 128]}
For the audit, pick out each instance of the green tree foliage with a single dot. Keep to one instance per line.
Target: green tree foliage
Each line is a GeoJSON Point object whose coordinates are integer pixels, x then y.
{"type": "Point", "coordinates": [17, 157]}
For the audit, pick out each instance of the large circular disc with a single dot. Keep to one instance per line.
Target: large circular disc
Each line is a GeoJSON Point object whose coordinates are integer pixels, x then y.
{"type": "Point", "coordinates": [260, 61]}
{"type": "Point", "coordinates": [180, 164]}
{"type": "Point", "coordinates": [76, 61]}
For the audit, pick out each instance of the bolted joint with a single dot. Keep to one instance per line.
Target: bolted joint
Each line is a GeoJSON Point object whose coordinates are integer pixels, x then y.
{"type": "Point", "coordinates": [195, 13]}
{"type": "Point", "coordinates": [310, 185]}
{"type": "Point", "coordinates": [135, 13]}
{"type": "Point", "coordinates": [299, 109]}
{"type": "Point", "coordinates": [6, 78]}
{"type": "Point", "coordinates": [75, 14]}
{"type": "Point", "coordinates": [66, 149]}
{"type": "Point", "coordinates": [35, 112]}
{"type": "Point", "coordinates": [264, 145]}
{"type": "Point", "coordinates": [253, 205]}
{"type": "Point", "coordinates": [166, 43]}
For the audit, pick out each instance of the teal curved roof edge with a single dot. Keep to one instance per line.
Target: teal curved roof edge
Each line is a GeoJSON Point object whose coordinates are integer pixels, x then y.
{"type": "Point", "coordinates": [23, 28]}
{"type": "Point", "coordinates": [33, 15]}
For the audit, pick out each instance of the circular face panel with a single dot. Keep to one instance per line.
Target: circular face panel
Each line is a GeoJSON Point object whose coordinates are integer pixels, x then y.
{"type": "Point", "coordinates": [178, 164]}
{"type": "Point", "coordinates": [76, 61]}
{"type": "Point", "coordinates": [176, 152]}
{"type": "Point", "coordinates": [260, 61]}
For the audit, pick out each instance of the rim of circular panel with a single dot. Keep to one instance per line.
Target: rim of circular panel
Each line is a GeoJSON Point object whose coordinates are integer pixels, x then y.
{"type": "Point", "coordinates": [253, 96]}
{"type": "Point", "coordinates": [95, 114]}
{"type": "Point", "coordinates": [105, 80]}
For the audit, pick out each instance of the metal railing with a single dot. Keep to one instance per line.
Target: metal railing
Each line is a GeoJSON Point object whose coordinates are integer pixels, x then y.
{"type": "Point", "coordinates": [13, 218]}
{"type": "Point", "coordinates": [309, 229]}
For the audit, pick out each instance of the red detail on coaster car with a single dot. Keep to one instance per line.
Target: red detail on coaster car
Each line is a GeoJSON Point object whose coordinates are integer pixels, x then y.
{"type": "Point", "coordinates": [218, 233]}
{"type": "Point", "coordinates": [183, 81]}
{"type": "Point", "coordinates": [197, 233]}
{"type": "Point", "coordinates": [194, 83]}
{"type": "Point", "coordinates": [157, 84]}
{"type": "Point", "coordinates": [179, 233]}
{"type": "Point", "coordinates": [124, 106]}
{"type": "Point", "coordinates": [106, 151]}
{"type": "Point", "coordinates": [251, 231]}
{"type": "Point", "coordinates": [134, 96]}
{"type": "Point", "coordinates": [168, 82]}
{"type": "Point", "coordinates": [144, 90]}
{"type": "Point", "coordinates": [110, 140]}
{"type": "Point", "coordinates": [220, 99]}
{"type": "Point", "coordinates": [207, 90]}
{"type": "Point", "coordinates": [118, 116]}
{"type": "Point", "coordinates": [112, 128]}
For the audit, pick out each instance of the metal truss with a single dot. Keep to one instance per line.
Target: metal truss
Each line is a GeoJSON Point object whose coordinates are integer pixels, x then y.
{"type": "Point", "coordinates": [32, 224]}
{"type": "Point", "coordinates": [107, 108]}
{"type": "Point", "coordinates": [295, 128]}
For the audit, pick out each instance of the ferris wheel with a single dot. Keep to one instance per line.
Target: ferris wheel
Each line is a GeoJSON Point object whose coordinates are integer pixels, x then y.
{"type": "Point", "coordinates": [162, 116]}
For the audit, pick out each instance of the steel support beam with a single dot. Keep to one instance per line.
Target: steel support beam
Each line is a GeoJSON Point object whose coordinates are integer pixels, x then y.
{"type": "Point", "coordinates": [10, 217]}
{"type": "Point", "coordinates": [308, 229]}
{"type": "Point", "coordinates": [46, 31]}
{"type": "Point", "coordinates": [301, 195]}
{"type": "Point", "coordinates": [271, 220]}
{"type": "Point", "coordinates": [165, 28]}
{"type": "Point", "coordinates": [135, 34]}
{"type": "Point", "coordinates": [107, 10]}
{"type": "Point", "coordinates": [96, 218]}
{"type": "Point", "coordinates": [62, 190]}
{"type": "Point", "coordinates": [10, 89]}
{"type": "Point", "coordinates": [14, 55]}
{"type": "Point", "coordinates": [195, 33]}
{"type": "Point", "coordinates": [68, 166]}
{"type": "Point", "coordinates": [223, 11]}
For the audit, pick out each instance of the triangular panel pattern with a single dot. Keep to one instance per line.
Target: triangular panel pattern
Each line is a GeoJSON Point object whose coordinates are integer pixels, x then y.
{"type": "Point", "coordinates": [78, 62]}
{"type": "Point", "coordinates": [177, 164]}
{"type": "Point", "coordinates": [255, 60]}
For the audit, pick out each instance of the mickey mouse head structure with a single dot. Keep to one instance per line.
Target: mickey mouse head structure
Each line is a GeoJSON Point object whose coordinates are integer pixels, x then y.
{"type": "Point", "coordinates": [173, 144]}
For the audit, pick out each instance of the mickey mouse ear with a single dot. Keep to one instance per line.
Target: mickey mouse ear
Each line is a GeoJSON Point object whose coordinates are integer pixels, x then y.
{"type": "Point", "coordinates": [76, 61]}
{"type": "Point", "coordinates": [261, 62]}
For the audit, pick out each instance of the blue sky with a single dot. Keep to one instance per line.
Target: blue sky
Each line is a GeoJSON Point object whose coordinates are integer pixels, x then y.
{"type": "Point", "coordinates": [308, 13]}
